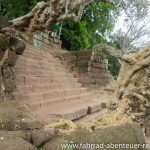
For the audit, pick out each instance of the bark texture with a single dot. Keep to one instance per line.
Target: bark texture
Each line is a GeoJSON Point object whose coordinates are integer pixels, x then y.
{"type": "Point", "coordinates": [46, 13]}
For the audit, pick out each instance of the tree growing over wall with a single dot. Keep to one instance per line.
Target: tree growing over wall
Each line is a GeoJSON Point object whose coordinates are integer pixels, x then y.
{"type": "Point", "coordinates": [46, 13]}
{"type": "Point", "coordinates": [98, 18]}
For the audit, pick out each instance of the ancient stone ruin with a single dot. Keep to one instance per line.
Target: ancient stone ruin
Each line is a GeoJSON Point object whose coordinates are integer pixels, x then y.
{"type": "Point", "coordinates": [131, 104]}
{"type": "Point", "coordinates": [46, 39]}
{"type": "Point", "coordinates": [10, 47]}
{"type": "Point", "coordinates": [47, 93]}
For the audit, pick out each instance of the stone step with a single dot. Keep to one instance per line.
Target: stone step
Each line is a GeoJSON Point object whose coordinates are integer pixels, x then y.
{"type": "Point", "coordinates": [29, 80]}
{"type": "Point", "coordinates": [35, 105]}
{"type": "Point", "coordinates": [30, 49]}
{"type": "Point", "coordinates": [44, 56]}
{"type": "Point", "coordinates": [36, 66]}
{"type": "Point", "coordinates": [38, 56]}
{"type": "Point", "coordinates": [48, 95]}
{"type": "Point", "coordinates": [41, 72]}
{"type": "Point", "coordinates": [70, 109]}
{"type": "Point", "coordinates": [49, 89]}
{"type": "Point", "coordinates": [39, 61]}
{"type": "Point", "coordinates": [91, 116]}
{"type": "Point", "coordinates": [64, 93]}
{"type": "Point", "coordinates": [26, 89]}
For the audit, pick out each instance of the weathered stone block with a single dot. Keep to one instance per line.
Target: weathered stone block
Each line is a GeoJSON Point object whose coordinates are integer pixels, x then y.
{"type": "Point", "coordinates": [51, 39]}
{"type": "Point", "coordinates": [46, 41]}
{"type": "Point", "coordinates": [84, 53]}
{"type": "Point", "coordinates": [82, 63]}
{"type": "Point", "coordinates": [45, 35]}
{"type": "Point", "coordinates": [83, 58]}
{"type": "Point", "coordinates": [1, 54]}
{"type": "Point", "coordinates": [40, 43]}
{"type": "Point", "coordinates": [70, 116]}
{"type": "Point", "coordinates": [82, 112]}
{"type": "Point", "coordinates": [147, 131]}
{"type": "Point", "coordinates": [123, 134]}
{"type": "Point", "coordinates": [104, 105]}
{"type": "Point", "coordinates": [84, 80]}
{"type": "Point", "coordinates": [42, 136]}
{"type": "Point", "coordinates": [9, 84]}
{"type": "Point", "coordinates": [12, 58]}
{"type": "Point", "coordinates": [57, 41]}
{"type": "Point", "coordinates": [6, 72]}
{"type": "Point", "coordinates": [98, 59]}
{"type": "Point", "coordinates": [94, 108]}
{"type": "Point", "coordinates": [15, 144]}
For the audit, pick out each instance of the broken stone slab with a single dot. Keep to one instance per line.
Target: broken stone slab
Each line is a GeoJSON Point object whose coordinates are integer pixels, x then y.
{"type": "Point", "coordinates": [40, 137]}
{"type": "Point", "coordinates": [15, 143]}
{"type": "Point", "coordinates": [76, 115]}
{"type": "Point", "coordinates": [70, 116]}
{"type": "Point", "coordinates": [121, 134]}
{"type": "Point", "coordinates": [81, 113]}
{"type": "Point", "coordinates": [13, 134]}
{"type": "Point", "coordinates": [94, 108]}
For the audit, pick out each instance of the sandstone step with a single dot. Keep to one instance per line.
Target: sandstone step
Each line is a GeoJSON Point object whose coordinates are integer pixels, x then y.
{"type": "Point", "coordinates": [50, 80]}
{"type": "Point", "coordinates": [35, 105]}
{"type": "Point", "coordinates": [38, 88]}
{"type": "Point", "coordinates": [42, 80]}
{"type": "Point", "coordinates": [91, 116]}
{"type": "Point", "coordinates": [48, 95]}
{"type": "Point", "coordinates": [49, 89]}
{"type": "Point", "coordinates": [28, 89]}
{"type": "Point", "coordinates": [35, 50]}
{"type": "Point", "coordinates": [40, 61]}
{"type": "Point", "coordinates": [28, 97]}
{"type": "Point", "coordinates": [41, 72]}
{"type": "Point", "coordinates": [70, 109]}
{"type": "Point", "coordinates": [31, 53]}
{"type": "Point", "coordinates": [46, 87]}
{"type": "Point", "coordinates": [64, 93]}
{"type": "Point", "coordinates": [38, 56]}
{"type": "Point", "coordinates": [48, 67]}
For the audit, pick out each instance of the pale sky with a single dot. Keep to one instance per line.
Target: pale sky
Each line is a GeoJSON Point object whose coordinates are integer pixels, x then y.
{"type": "Point", "coordinates": [121, 25]}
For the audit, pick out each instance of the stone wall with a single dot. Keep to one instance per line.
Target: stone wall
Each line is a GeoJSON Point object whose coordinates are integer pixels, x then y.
{"type": "Point", "coordinates": [8, 58]}
{"type": "Point", "coordinates": [46, 39]}
{"type": "Point", "coordinates": [88, 66]}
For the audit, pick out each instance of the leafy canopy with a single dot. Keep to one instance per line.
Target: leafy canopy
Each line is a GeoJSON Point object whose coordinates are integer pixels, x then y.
{"type": "Point", "coordinates": [98, 19]}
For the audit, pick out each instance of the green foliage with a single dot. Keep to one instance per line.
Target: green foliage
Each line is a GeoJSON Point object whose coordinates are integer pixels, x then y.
{"type": "Point", "coordinates": [75, 35]}
{"type": "Point", "coordinates": [15, 8]}
{"type": "Point", "coordinates": [113, 65]}
{"type": "Point", "coordinates": [98, 19]}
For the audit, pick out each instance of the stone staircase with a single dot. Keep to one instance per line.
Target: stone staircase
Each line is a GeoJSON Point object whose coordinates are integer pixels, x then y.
{"type": "Point", "coordinates": [50, 89]}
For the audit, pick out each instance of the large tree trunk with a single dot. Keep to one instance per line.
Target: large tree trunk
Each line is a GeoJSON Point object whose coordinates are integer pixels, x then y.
{"type": "Point", "coordinates": [46, 13]}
